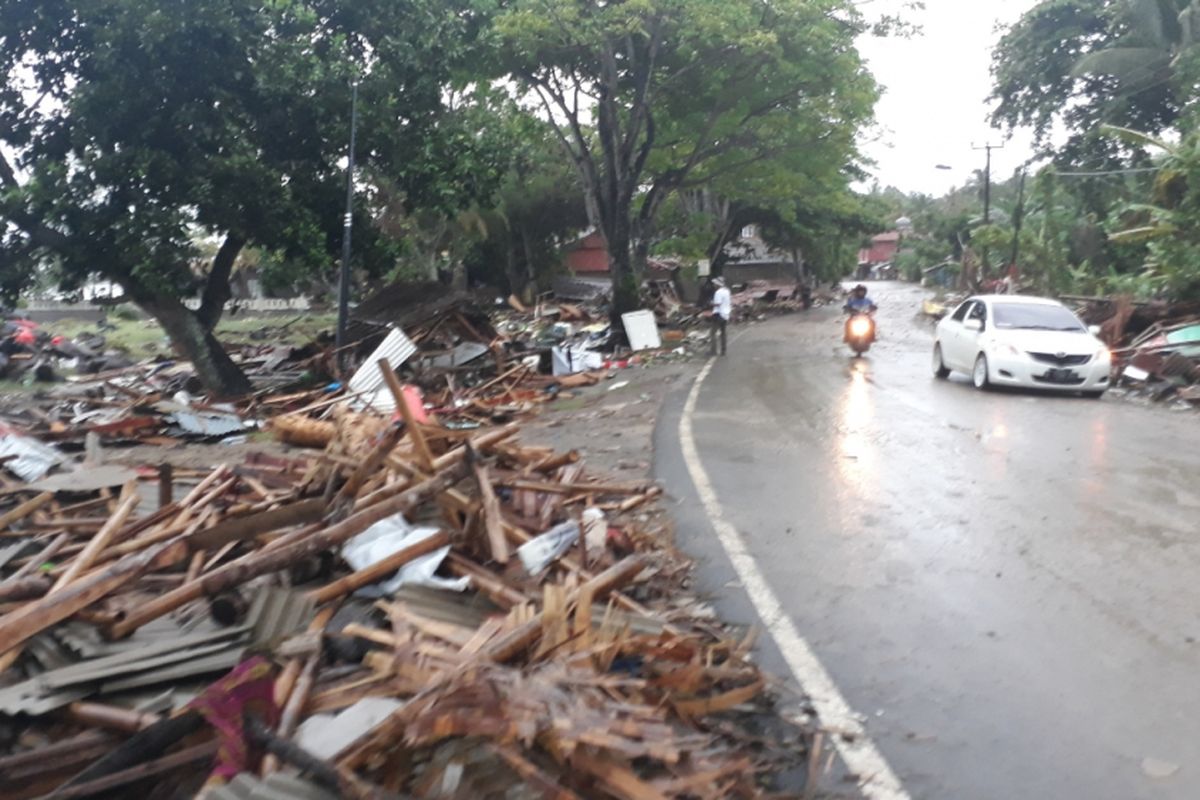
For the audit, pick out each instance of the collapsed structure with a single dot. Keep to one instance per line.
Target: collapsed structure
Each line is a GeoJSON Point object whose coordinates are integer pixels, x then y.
{"type": "Point", "coordinates": [408, 602]}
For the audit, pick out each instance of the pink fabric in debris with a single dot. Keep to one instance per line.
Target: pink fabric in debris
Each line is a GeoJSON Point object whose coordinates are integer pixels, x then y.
{"type": "Point", "coordinates": [249, 689]}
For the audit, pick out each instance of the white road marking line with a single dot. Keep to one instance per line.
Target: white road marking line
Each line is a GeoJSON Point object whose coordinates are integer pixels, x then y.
{"type": "Point", "coordinates": [876, 778]}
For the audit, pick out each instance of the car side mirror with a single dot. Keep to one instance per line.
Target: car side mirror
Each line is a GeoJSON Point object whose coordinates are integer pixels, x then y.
{"type": "Point", "coordinates": [973, 324]}
{"type": "Point", "coordinates": [1094, 330]}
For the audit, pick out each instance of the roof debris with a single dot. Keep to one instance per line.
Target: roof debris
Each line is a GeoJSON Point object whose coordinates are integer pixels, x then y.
{"type": "Point", "coordinates": [405, 607]}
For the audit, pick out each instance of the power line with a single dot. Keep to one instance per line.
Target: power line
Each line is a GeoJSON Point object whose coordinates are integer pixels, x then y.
{"type": "Point", "coordinates": [1130, 171]}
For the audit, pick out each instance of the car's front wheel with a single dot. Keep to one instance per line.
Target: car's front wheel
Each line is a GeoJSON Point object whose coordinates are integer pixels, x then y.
{"type": "Point", "coordinates": [940, 370]}
{"type": "Point", "coordinates": [981, 375]}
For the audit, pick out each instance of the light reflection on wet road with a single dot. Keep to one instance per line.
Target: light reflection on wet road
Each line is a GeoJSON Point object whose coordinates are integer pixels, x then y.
{"type": "Point", "coordinates": [1005, 584]}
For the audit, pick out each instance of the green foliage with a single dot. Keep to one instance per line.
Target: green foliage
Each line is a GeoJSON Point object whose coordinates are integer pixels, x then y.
{"type": "Point", "coordinates": [655, 97]}
{"type": "Point", "coordinates": [158, 124]}
{"type": "Point", "coordinates": [1169, 224]}
{"type": "Point", "coordinates": [1081, 63]}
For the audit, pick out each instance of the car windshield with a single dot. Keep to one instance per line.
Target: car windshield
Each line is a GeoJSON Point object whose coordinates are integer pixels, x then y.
{"type": "Point", "coordinates": [1034, 317]}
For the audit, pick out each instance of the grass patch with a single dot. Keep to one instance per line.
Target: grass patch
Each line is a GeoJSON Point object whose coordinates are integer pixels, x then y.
{"type": "Point", "coordinates": [145, 338]}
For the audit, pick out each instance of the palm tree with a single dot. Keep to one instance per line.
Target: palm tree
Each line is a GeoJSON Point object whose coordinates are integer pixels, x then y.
{"type": "Point", "coordinates": [1147, 56]}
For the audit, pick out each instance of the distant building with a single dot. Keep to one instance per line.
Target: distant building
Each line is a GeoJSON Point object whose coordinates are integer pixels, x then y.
{"type": "Point", "coordinates": [882, 250]}
{"type": "Point", "coordinates": [587, 255]}
{"type": "Point", "coordinates": [748, 258]}
{"type": "Point", "coordinates": [587, 260]}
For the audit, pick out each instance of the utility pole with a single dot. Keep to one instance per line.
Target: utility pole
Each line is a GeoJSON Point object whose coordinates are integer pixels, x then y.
{"type": "Point", "coordinates": [344, 277]}
{"type": "Point", "coordinates": [987, 192]}
{"type": "Point", "coordinates": [987, 180]}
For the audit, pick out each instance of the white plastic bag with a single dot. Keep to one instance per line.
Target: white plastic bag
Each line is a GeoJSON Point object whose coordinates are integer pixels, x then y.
{"type": "Point", "coordinates": [541, 551]}
{"type": "Point", "coordinates": [390, 536]}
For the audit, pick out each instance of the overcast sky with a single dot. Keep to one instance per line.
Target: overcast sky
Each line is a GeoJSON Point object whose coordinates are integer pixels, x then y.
{"type": "Point", "coordinates": [935, 101]}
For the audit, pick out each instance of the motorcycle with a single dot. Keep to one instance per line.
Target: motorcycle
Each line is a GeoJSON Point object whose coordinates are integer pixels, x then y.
{"type": "Point", "coordinates": [860, 331]}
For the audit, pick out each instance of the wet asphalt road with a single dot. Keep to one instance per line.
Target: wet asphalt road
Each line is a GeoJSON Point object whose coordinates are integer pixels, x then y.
{"type": "Point", "coordinates": [1004, 585]}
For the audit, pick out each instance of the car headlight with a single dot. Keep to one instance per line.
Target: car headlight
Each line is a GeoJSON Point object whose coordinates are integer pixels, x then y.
{"type": "Point", "coordinates": [1103, 354]}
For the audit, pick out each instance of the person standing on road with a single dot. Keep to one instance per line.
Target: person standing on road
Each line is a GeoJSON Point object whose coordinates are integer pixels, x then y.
{"type": "Point", "coordinates": [722, 310]}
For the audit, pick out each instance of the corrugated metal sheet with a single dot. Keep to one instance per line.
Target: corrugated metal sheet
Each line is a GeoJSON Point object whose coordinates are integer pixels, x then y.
{"type": "Point", "coordinates": [162, 652]}
{"type": "Point", "coordinates": [194, 665]}
{"type": "Point", "coordinates": [33, 459]}
{"type": "Point", "coordinates": [277, 786]}
{"type": "Point", "coordinates": [368, 380]}
{"type": "Point", "coordinates": [99, 669]}
{"type": "Point", "coordinates": [277, 613]}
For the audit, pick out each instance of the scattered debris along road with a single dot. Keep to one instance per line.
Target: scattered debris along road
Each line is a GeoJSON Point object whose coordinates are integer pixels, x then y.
{"type": "Point", "coordinates": [405, 600]}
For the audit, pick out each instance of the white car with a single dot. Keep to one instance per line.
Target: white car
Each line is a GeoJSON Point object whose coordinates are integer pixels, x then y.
{"type": "Point", "coordinates": [1011, 340]}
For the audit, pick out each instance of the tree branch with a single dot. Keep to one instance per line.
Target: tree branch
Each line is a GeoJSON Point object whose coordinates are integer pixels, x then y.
{"type": "Point", "coordinates": [40, 234]}
{"type": "Point", "coordinates": [216, 289]}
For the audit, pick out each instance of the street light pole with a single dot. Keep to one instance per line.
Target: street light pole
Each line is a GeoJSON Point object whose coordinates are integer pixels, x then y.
{"type": "Point", "coordinates": [347, 223]}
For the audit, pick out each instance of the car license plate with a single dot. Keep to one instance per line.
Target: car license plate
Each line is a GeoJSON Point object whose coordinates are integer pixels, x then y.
{"type": "Point", "coordinates": [1060, 376]}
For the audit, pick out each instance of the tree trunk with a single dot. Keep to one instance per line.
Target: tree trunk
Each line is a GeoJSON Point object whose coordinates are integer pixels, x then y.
{"type": "Point", "coordinates": [516, 282]}
{"type": "Point", "coordinates": [213, 366]}
{"type": "Point", "coordinates": [620, 267]}
{"type": "Point", "coordinates": [531, 283]}
{"type": "Point", "coordinates": [217, 291]}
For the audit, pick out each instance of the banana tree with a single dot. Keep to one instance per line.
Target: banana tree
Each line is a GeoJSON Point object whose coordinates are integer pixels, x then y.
{"type": "Point", "coordinates": [1170, 223]}
{"type": "Point", "coordinates": [1159, 34]}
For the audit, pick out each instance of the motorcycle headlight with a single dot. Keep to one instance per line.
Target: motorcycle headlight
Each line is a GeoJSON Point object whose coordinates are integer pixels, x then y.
{"type": "Point", "coordinates": [860, 326]}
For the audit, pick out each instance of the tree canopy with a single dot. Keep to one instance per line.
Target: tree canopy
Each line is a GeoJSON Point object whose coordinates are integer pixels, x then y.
{"type": "Point", "coordinates": [1083, 63]}
{"type": "Point", "coordinates": [1114, 74]}
{"type": "Point", "coordinates": [655, 97]}
{"type": "Point", "coordinates": [130, 129]}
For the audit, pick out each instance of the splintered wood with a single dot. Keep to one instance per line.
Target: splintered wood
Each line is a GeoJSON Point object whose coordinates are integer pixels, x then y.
{"type": "Point", "coordinates": [574, 682]}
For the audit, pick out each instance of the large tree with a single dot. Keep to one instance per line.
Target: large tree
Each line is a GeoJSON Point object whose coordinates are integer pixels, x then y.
{"type": "Point", "coordinates": [132, 129]}
{"type": "Point", "coordinates": [650, 97]}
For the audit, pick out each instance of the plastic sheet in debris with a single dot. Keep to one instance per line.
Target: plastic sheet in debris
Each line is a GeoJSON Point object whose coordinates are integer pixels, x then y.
{"type": "Point", "coordinates": [569, 360]}
{"type": "Point", "coordinates": [541, 551]}
{"type": "Point", "coordinates": [208, 423]}
{"type": "Point", "coordinates": [326, 735]}
{"type": "Point", "coordinates": [390, 536]}
{"type": "Point", "coordinates": [32, 458]}
{"type": "Point", "coordinates": [368, 382]}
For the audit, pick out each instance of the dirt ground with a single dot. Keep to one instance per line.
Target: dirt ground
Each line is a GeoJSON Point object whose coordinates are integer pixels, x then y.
{"type": "Point", "coordinates": [610, 424]}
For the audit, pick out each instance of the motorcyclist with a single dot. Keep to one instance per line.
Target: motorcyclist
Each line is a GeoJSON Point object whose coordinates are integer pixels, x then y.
{"type": "Point", "coordinates": [859, 302]}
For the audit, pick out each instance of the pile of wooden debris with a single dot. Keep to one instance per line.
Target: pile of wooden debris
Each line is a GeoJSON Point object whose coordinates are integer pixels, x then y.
{"type": "Point", "coordinates": [410, 611]}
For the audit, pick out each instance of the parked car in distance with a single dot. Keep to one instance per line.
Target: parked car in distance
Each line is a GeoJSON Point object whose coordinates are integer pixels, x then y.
{"type": "Point", "coordinates": [1031, 342]}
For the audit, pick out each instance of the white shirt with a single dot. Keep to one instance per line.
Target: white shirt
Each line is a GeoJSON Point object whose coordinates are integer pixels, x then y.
{"type": "Point", "coordinates": [723, 303]}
